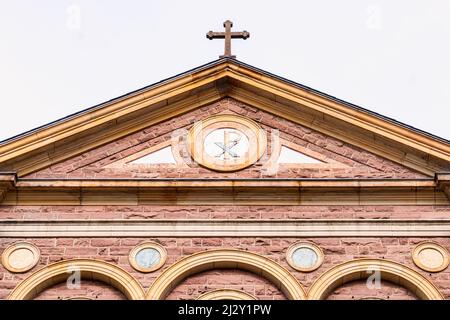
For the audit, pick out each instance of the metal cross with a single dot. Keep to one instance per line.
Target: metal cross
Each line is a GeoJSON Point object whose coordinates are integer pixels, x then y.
{"type": "Point", "coordinates": [228, 35]}
{"type": "Point", "coordinates": [228, 144]}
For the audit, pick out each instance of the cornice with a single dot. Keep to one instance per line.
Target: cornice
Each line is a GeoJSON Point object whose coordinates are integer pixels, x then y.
{"type": "Point", "coordinates": [225, 192]}
{"type": "Point", "coordinates": [443, 182]}
{"type": "Point", "coordinates": [225, 183]}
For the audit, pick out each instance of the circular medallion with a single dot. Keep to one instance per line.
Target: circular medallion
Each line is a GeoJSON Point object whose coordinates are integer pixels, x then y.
{"type": "Point", "coordinates": [20, 257]}
{"type": "Point", "coordinates": [430, 256]}
{"type": "Point", "coordinates": [226, 142]}
{"type": "Point", "coordinates": [304, 256]}
{"type": "Point", "coordinates": [147, 257]}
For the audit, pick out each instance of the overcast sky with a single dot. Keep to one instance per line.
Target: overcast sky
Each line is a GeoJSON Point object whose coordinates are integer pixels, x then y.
{"type": "Point", "coordinates": [59, 57]}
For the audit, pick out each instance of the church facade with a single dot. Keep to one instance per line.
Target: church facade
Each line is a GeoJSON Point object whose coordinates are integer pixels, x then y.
{"type": "Point", "coordinates": [225, 182]}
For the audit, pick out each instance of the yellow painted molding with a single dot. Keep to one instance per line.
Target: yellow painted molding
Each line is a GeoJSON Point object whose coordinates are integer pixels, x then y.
{"type": "Point", "coordinates": [363, 268]}
{"type": "Point", "coordinates": [226, 294]}
{"type": "Point", "coordinates": [89, 268]}
{"type": "Point", "coordinates": [226, 258]}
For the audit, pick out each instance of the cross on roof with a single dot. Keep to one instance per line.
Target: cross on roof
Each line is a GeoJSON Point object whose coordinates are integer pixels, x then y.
{"type": "Point", "coordinates": [228, 35]}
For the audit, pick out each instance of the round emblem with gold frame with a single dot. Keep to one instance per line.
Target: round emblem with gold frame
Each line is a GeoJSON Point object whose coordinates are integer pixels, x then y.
{"type": "Point", "coordinates": [430, 256]}
{"type": "Point", "coordinates": [147, 257]}
{"type": "Point", "coordinates": [226, 142]}
{"type": "Point", "coordinates": [20, 257]}
{"type": "Point", "coordinates": [304, 256]}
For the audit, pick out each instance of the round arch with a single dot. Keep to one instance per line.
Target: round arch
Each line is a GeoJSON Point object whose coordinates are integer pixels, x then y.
{"type": "Point", "coordinates": [362, 268]}
{"type": "Point", "coordinates": [89, 269]}
{"type": "Point", "coordinates": [226, 259]}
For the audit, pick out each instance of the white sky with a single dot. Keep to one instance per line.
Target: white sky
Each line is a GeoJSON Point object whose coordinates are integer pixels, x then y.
{"type": "Point", "coordinates": [392, 57]}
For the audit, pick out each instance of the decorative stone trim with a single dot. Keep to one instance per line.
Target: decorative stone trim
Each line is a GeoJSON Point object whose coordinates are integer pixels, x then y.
{"type": "Point", "coordinates": [304, 245]}
{"type": "Point", "coordinates": [225, 192]}
{"type": "Point", "coordinates": [226, 294]}
{"type": "Point", "coordinates": [225, 228]}
{"type": "Point", "coordinates": [90, 268]}
{"type": "Point", "coordinates": [147, 245]}
{"type": "Point", "coordinates": [20, 257]}
{"type": "Point", "coordinates": [430, 256]}
{"type": "Point", "coordinates": [225, 259]}
{"type": "Point", "coordinates": [363, 268]}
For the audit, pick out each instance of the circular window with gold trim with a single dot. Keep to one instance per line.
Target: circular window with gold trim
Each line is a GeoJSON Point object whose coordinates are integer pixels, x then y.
{"type": "Point", "coordinates": [304, 256]}
{"type": "Point", "coordinates": [226, 142]}
{"type": "Point", "coordinates": [20, 257]}
{"type": "Point", "coordinates": [147, 257]}
{"type": "Point", "coordinates": [430, 256]}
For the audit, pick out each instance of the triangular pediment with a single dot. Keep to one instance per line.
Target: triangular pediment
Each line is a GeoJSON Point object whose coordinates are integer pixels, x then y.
{"type": "Point", "coordinates": [291, 150]}
{"type": "Point", "coordinates": [92, 138]}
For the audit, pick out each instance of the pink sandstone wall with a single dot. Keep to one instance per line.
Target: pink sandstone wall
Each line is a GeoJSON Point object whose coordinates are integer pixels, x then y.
{"type": "Point", "coordinates": [226, 212]}
{"type": "Point", "coordinates": [241, 280]}
{"type": "Point", "coordinates": [357, 290]}
{"type": "Point", "coordinates": [94, 290]}
{"type": "Point", "coordinates": [360, 164]}
{"type": "Point", "coordinates": [336, 250]}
